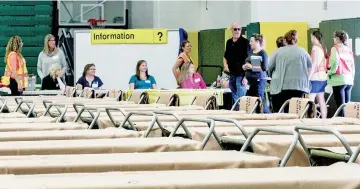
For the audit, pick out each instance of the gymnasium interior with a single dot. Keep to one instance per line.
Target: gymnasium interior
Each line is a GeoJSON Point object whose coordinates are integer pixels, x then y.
{"type": "Point", "coordinates": [116, 136]}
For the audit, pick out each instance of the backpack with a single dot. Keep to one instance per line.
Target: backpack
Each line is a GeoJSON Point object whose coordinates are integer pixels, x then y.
{"type": "Point", "coordinates": [345, 60]}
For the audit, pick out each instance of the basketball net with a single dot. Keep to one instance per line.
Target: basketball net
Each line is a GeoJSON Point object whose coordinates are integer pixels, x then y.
{"type": "Point", "coordinates": [96, 24]}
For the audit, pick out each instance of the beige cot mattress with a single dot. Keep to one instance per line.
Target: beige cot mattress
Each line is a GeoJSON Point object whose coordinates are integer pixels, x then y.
{"type": "Point", "coordinates": [97, 146]}
{"type": "Point", "coordinates": [277, 145]}
{"type": "Point", "coordinates": [12, 127]}
{"type": "Point", "coordinates": [152, 161]}
{"type": "Point", "coordinates": [337, 176]}
{"type": "Point", "coordinates": [68, 134]}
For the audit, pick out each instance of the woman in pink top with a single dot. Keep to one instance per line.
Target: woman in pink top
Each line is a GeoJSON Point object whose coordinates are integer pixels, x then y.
{"type": "Point", "coordinates": [189, 79]}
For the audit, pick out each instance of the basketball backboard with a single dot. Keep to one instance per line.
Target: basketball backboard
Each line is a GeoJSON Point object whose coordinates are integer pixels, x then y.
{"type": "Point", "coordinates": [77, 13]}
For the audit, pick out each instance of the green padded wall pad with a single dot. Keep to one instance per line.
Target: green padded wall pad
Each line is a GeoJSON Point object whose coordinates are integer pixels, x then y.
{"type": "Point", "coordinates": [26, 20]}
{"type": "Point", "coordinates": [26, 51]}
{"type": "Point", "coordinates": [36, 41]}
{"type": "Point", "coordinates": [26, 3]}
{"type": "Point", "coordinates": [24, 31]}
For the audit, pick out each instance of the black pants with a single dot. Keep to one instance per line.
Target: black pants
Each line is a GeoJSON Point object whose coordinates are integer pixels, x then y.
{"type": "Point", "coordinates": [282, 97]}
{"type": "Point", "coordinates": [257, 88]}
{"type": "Point", "coordinates": [13, 86]}
{"type": "Point", "coordinates": [342, 94]}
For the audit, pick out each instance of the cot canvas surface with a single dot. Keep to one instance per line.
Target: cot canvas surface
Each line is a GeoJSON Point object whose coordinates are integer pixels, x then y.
{"type": "Point", "coordinates": [116, 63]}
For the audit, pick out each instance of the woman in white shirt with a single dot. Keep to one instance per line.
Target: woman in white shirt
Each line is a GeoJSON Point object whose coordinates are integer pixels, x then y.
{"type": "Point", "coordinates": [51, 55]}
{"type": "Point", "coordinates": [317, 75]}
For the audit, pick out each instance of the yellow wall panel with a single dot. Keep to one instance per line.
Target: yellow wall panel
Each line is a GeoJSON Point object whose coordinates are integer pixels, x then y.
{"type": "Point", "coordinates": [272, 30]}
{"type": "Point", "coordinates": [227, 35]}
{"type": "Point", "coordinates": [193, 39]}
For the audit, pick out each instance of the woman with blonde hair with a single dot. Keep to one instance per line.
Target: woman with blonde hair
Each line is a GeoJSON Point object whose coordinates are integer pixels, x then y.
{"type": "Point", "coordinates": [189, 79]}
{"type": "Point", "coordinates": [51, 55]}
{"type": "Point", "coordinates": [53, 80]}
{"type": "Point", "coordinates": [16, 74]}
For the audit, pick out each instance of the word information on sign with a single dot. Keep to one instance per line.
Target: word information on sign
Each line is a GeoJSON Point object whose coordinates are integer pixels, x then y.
{"type": "Point", "coordinates": [140, 36]}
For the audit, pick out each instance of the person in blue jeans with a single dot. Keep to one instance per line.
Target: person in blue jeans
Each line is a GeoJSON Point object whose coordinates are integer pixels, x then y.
{"type": "Point", "coordinates": [256, 70]}
{"type": "Point", "coordinates": [141, 79]}
{"type": "Point", "coordinates": [234, 58]}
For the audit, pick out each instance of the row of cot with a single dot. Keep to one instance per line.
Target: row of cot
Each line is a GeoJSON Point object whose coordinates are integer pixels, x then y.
{"type": "Point", "coordinates": [271, 147]}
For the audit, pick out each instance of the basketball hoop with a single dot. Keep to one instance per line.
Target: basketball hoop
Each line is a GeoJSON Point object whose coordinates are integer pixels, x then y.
{"type": "Point", "coordinates": [96, 24]}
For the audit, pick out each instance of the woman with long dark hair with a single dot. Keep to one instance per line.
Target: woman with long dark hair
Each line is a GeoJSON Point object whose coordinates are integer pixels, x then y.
{"type": "Point", "coordinates": [317, 75]}
{"type": "Point", "coordinates": [184, 57]}
{"type": "Point", "coordinates": [341, 69]}
{"type": "Point", "coordinates": [141, 79]}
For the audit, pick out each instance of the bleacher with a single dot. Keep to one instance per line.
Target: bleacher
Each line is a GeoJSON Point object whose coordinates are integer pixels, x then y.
{"type": "Point", "coordinates": [32, 21]}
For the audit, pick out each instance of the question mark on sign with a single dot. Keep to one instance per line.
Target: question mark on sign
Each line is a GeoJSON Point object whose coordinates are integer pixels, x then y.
{"type": "Point", "coordinates": [160, 35]}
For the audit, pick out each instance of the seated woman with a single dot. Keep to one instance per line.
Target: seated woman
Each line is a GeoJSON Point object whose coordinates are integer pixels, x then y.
{"type": "Point", "coordinates": [141, 79]}
{"type": "Point", "coordinates": [89, 79]}
{"type": "Point", "coordinates": [53, 81]}
{"type": "Point", "coordinates": [189, 79]}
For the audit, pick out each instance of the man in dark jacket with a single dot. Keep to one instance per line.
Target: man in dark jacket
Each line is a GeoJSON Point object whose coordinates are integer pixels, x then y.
{"type": "Point", "coordinates": [237, 49]}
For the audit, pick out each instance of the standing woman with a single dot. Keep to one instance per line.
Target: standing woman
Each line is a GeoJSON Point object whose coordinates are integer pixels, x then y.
{"type": "Point", "coordinates": [290, 66]}
{"type": "Point", "coordinates": [341, 71]}
{"type": "Point", "coordinates": [318, 76]}
{"type": "Point", "coordinates": [49, 56]}
{"type": "Point", "coordinates": [16, 74]}
{"type": "Point", "coordinates": [184, 57]}
{"type": "Point", "coordinates": [256, 70]}
{"type": "Point", "coordinates": [141, 79]}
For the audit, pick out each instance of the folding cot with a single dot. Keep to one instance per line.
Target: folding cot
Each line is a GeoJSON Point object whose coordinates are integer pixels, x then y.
{"type": "Point", "coordinates": [285, 145]}
{"type": "Point", "coordinates": [337, 176]}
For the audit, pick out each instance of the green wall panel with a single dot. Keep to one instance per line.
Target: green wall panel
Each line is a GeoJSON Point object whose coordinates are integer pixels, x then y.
{"type": "Point", "coordinates": [253, 28]}
{"type": "Point", "coordinates": [211, 50]}
{"type": "Point", "coordinates": [352, 27]}
{"type": "Point", "coordinates": [309, 32]}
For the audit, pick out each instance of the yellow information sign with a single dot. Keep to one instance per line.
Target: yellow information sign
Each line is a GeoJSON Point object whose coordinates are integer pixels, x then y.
{"type": "Point", "coordinates": [132, 36]}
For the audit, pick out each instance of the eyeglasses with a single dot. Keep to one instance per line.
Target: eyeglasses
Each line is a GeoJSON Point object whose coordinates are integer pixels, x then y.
{"type": "Point", "coordinates": [236, 29]}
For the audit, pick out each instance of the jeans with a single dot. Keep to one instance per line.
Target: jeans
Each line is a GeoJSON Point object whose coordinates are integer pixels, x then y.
{"type": "Point", "coordinates": [257, 88]}
{"type": "Point", "coordinates": [238, 90]}
{"type": "Point", "coordinates": [342, 94]}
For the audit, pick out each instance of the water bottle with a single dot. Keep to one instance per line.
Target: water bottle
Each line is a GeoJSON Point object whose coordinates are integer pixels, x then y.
{"type": "Point", "coordinates": [218, 81]}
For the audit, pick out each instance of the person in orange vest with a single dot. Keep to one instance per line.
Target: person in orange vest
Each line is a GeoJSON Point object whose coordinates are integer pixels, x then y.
{"type": "Point", "coordinates": [184, 57]}
{"type": "Point", "coordinates": [16, 74]}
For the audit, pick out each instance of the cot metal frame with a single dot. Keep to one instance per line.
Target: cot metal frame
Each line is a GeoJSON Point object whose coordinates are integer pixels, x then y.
{"type": "Point", "coordinates": [288, 154]}
{"type": "Point", "coordinates": [209, 122]}
{"type": "Point", "coordinates": [4, 106]}
{"type": "Point", "coordinates": [156, 119]}
{"type": "Point", "coordinates": [332, 131]}
{"type": "Point", "coordinates": [26, 102]}
{"type": "Point", "coordinates": [354, 156]}
{"type": "Point", "coordinates": [287, 102]}
{"type": "Point", "coordinates": [62, 113]}
{"type": "Point", "coordinates": [238, 103]}
{"type": "Point", "coordinates": [88, 109]}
